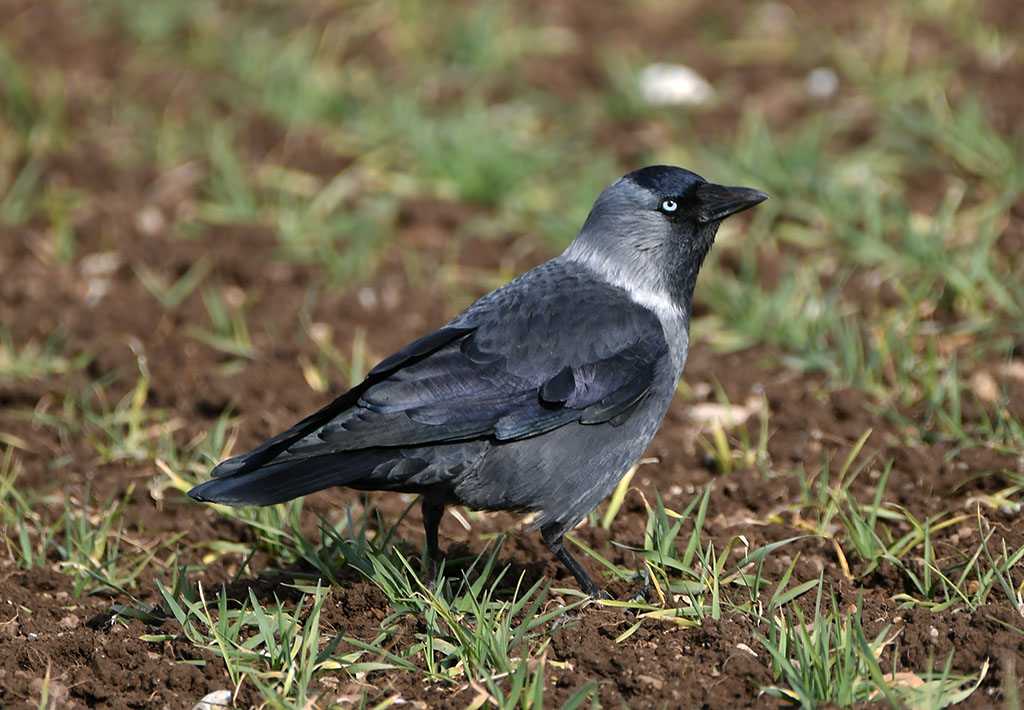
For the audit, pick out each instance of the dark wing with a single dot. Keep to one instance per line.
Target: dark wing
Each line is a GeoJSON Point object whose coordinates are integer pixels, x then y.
{"type": "Point", "coordinates": [550, 348]}
{"type": "Point", "coordinates": [528, 365]}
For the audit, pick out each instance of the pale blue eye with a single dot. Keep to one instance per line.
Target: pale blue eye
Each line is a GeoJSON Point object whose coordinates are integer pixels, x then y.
{"type": "Point", "coordinates": [669, 205]}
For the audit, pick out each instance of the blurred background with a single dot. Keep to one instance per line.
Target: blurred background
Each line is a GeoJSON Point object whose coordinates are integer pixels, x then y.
{"type": "Point", "coordinates": [215, 214]}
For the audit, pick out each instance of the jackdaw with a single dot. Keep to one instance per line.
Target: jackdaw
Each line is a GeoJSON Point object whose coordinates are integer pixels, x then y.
{"type": "Point", "coordinates": [538, 397]}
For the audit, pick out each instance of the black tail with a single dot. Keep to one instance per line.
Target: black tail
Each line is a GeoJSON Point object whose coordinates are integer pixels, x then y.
{"type": "Point", "coordinates": [278, 481]}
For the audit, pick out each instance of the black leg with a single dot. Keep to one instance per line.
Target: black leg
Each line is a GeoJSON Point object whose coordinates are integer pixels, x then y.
{"type": "Point", "coordinates": [432, 513]}
{"type": "Point", "coordinates": [553, 538]}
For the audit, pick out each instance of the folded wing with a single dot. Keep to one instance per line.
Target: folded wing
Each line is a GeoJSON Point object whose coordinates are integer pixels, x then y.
{"type": "Point", "coordinates": [508, 368]}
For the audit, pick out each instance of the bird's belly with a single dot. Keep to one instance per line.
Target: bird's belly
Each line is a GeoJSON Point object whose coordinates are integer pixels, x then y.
{"type": "Point", "coordinates": [563, 474]}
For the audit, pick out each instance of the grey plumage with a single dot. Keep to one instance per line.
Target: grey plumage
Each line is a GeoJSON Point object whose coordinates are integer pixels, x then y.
{"type": "Point", "coordinates": [539, 396]}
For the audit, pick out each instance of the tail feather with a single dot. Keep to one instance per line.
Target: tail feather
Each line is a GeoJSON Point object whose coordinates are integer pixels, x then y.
{"type": "Point", "coordinates": [278, 481]}
{"type": "Point", "coordinates": [265, 453]}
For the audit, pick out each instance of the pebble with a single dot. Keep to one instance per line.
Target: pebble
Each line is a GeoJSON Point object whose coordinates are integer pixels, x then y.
{"type": "Point", "coordinates": [149, 221]}
{"type": "Point", "coordinates": [214, 701]}
{"type": "Point", "coordinates": [822, 83]}
{"type": "Point", "coordinates": [674, 85]}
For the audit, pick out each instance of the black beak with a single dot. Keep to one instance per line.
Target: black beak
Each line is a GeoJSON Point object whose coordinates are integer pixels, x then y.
{"type": "Point", "coordinates": [715, 202]}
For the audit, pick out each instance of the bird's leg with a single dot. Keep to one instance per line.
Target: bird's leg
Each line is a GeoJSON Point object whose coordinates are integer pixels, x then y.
{"type": "Point", "coordinates": [432, 513]}
{"type": "Point", "coordinates": [553, 539]}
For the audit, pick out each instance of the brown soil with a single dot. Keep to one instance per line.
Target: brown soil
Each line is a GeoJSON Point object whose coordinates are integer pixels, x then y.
{"type": "Point", "coordinates": [91, 659]}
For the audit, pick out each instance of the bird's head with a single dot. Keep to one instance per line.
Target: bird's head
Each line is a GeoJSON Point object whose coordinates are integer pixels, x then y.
{"type": "Point", "coordinates": [651, 229]}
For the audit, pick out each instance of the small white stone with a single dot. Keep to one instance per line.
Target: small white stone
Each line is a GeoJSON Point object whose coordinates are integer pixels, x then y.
{"type": "Point", "coordinates": [97, 269]}
{"type": "Point", "coordinates": [320, 333]}
{"type": "Point", "coordinates": [822, 83]}
{"type": "Point", "coordinates": [103, 263]}
{"type": "Point", "coordinates": [149, 220]}
{"type": "Point", "coordinates": [367, 297]}
{"type": "Point", "coordinates": [674, 85]}
{"type": "Point", "coordinates": [234, 296]}
{"type": "Point", "coordinates": [985, 387]}
{"type": "Point", "coordinates": [216, 700]}
{"type": "Point", "coordinates": [98, 288]}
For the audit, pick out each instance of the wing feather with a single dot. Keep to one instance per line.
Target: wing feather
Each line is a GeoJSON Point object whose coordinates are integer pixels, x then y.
{"type": "Point", "coordinates": [519, 367]}
{"type": "Point", "coordinates": [516, 364]}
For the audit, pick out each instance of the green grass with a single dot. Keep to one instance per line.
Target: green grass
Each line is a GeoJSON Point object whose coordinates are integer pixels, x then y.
{"type": "Point", "coordinates": [888, 208]}
{"type": "Point", "coordinates": [830, 659]}
{"type": "Point", "coordinates": [38, 360]}
{"type": "Point", "coordinates": [84, 537]}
